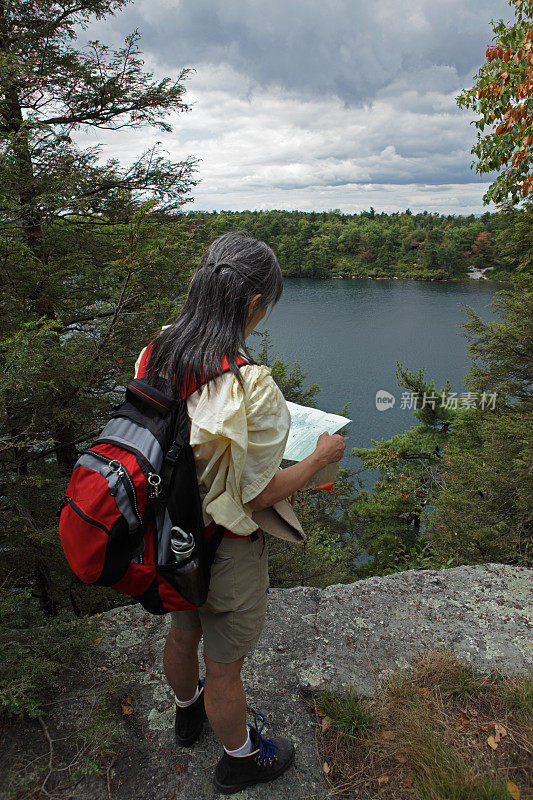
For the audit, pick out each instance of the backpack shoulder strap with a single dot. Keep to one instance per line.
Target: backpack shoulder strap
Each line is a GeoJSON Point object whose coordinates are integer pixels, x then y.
{"type": "Point", "coordinates": [190, 386]}
{"type": "Point", "coordinates": [144, 361]}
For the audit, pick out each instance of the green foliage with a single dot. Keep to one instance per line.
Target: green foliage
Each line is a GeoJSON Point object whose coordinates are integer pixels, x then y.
{"type": "Point", "coordinates": [91, 267]}
{"type": "Point", "coordinates": [389, 520]}
{"type": "Point", "coordinates": [461, 681]}
{"type": "Point", "coordinates": [86, 729]}
{"type": "Point", "coordinates": [35, 652]}
{"type": "Point", "coordinates": [483, 511]}
{"type": "Point", "coordinates": [101, 728]}
{"type": "Point", "coordinates": [321, 561]}
{"type": "Point", "coordinates": [518, 696]}
{"type": "Point", "coordinates": [441, 773]}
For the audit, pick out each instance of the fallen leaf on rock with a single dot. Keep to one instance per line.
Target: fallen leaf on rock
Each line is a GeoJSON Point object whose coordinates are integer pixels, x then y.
{"type": "Point", "coordinates": [491, 741]}
{"type": "Point", "coordinates": [326, 724]}
{"type": "Point", "coordinates": [126, 706]}
{"type": "Point", "coordinates": [513, 790]}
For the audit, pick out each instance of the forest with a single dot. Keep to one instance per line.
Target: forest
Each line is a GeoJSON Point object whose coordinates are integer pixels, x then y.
{"type": "Point", "coordinates": [421, 246]}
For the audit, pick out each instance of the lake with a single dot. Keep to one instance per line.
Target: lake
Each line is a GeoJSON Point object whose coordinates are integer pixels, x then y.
{"type": "Point", "coordinates": [348, 334]}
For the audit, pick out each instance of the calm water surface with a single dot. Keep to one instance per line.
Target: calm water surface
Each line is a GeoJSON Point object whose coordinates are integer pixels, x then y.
{"type": "Point", "coordinates": [349, 334]}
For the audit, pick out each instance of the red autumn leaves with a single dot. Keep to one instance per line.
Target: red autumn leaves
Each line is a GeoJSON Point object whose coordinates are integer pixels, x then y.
{"type": "Point", "coordinates": [516, 116]}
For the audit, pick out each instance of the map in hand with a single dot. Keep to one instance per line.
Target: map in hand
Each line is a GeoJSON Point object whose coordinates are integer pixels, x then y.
{"type": "Point", "coordinates": [306, 426]}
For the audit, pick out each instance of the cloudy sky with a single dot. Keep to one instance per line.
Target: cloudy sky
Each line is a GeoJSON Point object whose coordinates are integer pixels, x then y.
{"type": "Point", "coordinates": [316, 104]}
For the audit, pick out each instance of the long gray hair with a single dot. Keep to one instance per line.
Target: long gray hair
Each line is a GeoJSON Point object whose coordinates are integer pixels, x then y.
{"type": "Point", "coordinates": [211, 324]}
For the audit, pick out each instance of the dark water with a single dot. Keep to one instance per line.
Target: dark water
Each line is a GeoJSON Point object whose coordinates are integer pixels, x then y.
{"type": "Point", "coordinates": [348, 335]}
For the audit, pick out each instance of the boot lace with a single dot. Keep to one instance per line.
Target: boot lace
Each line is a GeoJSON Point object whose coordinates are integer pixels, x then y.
{"type": "Point", "coordinates": [267, 748]}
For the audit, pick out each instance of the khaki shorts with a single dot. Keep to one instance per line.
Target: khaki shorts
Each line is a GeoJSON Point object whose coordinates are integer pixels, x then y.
{"type": "Point", "coordinates": [233, 615]}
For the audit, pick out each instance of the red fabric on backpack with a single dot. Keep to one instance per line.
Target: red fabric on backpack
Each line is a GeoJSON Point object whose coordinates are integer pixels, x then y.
{"type": "Point", "coordinates": [85, 541]}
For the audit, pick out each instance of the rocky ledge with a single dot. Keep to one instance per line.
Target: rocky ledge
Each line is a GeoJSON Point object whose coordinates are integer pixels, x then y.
{"type": "Point", "coordinates": [345, 635]}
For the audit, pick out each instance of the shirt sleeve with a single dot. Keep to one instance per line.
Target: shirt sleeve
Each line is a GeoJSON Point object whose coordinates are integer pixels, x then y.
{"type": "Point", "coordinates": [268, 421]}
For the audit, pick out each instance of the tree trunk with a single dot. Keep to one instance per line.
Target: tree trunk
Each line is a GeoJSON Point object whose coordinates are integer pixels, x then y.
{"type": "Point", "coordinates": [44, 588]}
{"type": "Point", "coordinates": [13, 125]}
{"type": "Point", "coordinates": [66, 451]}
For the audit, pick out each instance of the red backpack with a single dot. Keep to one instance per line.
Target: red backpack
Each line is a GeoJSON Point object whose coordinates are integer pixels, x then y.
{"type": "Point", "coordinates": [133, 494]}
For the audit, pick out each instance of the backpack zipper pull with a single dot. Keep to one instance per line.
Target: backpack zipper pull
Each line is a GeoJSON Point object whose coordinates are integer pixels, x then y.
{"type": "Point", "coordinates": [154, 481]}
{"type": "Point", "coordinates": [116, 466]}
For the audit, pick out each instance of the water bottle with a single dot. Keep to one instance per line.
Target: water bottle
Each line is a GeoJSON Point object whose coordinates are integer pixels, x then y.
{"type": "Point", "coordinates": [181, 543]}
{"type": "Point", "coordinates": [184, 570]}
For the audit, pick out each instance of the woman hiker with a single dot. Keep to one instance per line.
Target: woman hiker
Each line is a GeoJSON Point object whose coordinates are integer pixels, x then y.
{"type": "Point", "coordinates": [239, 427]}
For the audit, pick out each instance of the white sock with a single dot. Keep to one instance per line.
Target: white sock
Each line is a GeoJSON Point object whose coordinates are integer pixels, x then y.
{"type": "Point", "coordinates": [185, 703]}
{"type": "Point", "coordinates": [241, 751]}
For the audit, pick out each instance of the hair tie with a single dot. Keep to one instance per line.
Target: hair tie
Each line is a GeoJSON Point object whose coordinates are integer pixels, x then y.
{"type": "Point", "coordinates": [225, 265]}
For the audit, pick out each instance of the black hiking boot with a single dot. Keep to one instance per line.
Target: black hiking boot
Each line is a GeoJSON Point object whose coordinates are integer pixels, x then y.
{"type": "Point", "coordinates": [268, 760]}
{"type": "Point", "coordinates": [190, 720]}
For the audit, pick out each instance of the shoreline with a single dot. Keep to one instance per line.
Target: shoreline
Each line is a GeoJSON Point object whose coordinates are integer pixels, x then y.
{"type": "Point", "coordinates": [464, 279]}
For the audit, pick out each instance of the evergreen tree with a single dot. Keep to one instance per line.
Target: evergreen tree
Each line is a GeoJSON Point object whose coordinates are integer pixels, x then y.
{"type": "Point", "coordinates": [484, 511]}
{"type": "Point", "coordinates": [94, 256]}
{"type": "Point", "coordinates": [69, 279]}
{"type": "Point", "coordinates": [389, 520]}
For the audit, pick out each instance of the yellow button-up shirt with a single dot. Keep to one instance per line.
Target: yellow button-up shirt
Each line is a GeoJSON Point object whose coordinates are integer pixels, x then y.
{"type": "Point", "coordinates": [238, 437]}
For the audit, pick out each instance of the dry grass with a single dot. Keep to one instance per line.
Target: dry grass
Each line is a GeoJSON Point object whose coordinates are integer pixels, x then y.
{"type": "Point", "coordinates": [437, 732]}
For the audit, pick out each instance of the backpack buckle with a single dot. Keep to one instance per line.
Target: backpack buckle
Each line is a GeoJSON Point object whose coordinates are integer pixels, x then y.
{"type": "Point", "coordinates": [174, 450]}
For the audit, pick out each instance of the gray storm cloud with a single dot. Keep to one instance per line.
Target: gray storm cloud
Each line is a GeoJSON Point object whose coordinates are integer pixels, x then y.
{"type": "Point", "coordinates": [300, 103]}
{"type": "Point", "coordinates": [350, 48]}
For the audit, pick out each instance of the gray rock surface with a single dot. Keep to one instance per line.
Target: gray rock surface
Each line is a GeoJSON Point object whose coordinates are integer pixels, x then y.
{"type": "Point", "coordinates": [313, 639]}
{"type": "Point", "coordinates": [364, 630]}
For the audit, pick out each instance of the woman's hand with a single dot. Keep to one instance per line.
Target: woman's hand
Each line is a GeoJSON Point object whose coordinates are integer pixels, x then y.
{"type": "Point", "coordinates": [330, 447]}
